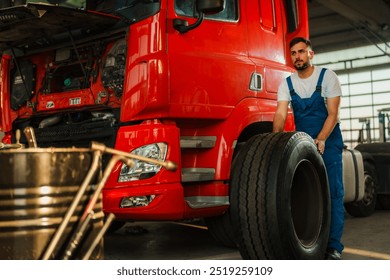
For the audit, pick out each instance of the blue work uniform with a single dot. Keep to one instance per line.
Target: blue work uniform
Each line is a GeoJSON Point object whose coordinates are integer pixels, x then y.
{"type": "Point", "coordinates": [310, 115]}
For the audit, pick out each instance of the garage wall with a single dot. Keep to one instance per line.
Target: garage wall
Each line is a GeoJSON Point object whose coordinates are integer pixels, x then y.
{"type": "Point", "coordinates": [363, 94]}
{"type": "Point", "coordinates": [364, 74]}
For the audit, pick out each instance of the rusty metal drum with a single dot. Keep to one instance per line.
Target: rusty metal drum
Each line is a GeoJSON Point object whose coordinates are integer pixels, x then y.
{"type": "Point", "coordinates": [37, 185]}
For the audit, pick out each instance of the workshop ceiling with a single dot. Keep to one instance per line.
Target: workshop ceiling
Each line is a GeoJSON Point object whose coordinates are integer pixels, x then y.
{"type": "Point", "coordinates": [343, 24]}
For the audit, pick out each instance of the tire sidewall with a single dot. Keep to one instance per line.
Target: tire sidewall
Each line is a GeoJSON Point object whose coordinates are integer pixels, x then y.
{"type": "Point", "coordinates": [301, 149]}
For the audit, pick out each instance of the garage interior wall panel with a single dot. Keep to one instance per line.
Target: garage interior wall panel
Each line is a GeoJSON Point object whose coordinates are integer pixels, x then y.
{"type": "Point", "coordinates": [365, 82]}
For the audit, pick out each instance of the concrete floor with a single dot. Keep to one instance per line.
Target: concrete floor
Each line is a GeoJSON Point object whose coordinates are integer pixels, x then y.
{"type": "Point", "coordinates": [367, 238]}
{"type": "Point", "coordinates": [364, 239]}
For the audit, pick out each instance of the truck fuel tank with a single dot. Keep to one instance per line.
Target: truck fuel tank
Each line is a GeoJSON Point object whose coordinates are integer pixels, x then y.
{"type": "Point", "coordinates": [353, 175]}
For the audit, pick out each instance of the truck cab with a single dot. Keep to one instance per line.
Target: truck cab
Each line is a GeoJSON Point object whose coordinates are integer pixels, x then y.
{"type": "Point", "coordinates": [189, 81]}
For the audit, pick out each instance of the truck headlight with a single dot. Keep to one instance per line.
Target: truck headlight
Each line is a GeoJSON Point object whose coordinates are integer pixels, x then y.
{"type": "Point", "coordinates": [142, 169]}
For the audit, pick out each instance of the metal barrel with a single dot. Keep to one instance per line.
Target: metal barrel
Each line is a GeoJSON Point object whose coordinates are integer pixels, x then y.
{"type": "Point", "coordinates": [36, 188]}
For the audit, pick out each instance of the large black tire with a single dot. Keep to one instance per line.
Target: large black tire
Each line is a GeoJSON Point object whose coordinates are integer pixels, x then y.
{"type": "Point", "coordinates": [220, 228]}
{"type": "Point", "coordinates": [380, 154]}
{"type": "Point", "coordinates": [280, 202]}
{"type": "Point", "coordinates": [115, 226]}
{"type": "Point", "coordinates": [384, 201]}
{"type": "Point", "coordinates": [366, 206]}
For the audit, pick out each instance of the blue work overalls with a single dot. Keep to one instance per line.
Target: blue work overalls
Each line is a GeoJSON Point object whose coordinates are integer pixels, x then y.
{"type": "Point", "coordinates": [310, 115]}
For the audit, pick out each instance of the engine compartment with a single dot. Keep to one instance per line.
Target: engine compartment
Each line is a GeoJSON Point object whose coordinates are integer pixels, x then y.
{"type": "Point", "coordinates": [70, 95]}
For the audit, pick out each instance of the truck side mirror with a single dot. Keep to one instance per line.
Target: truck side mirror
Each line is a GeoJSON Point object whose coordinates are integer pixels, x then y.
{"type": "Point", "coordinates": [203, 7]}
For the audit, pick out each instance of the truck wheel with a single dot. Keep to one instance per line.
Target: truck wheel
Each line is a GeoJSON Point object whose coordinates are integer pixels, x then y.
{"type": "Point", "coordinates": [220, 228]}
{"type": "Point", "coordinates": [366, 206]}
{"type": "Point", "coordinates": [280, 202]}
{"type": "Point", "coordinates": [384, 201]}
{"type": "Point", "coordinates": [115, 226]}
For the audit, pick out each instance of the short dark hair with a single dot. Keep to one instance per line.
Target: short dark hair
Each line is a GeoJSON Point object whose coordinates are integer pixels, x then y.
{"type": "Point", "coordinates": [297, 40]}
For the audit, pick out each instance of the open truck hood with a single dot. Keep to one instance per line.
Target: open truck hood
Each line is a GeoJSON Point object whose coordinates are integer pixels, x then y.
{"type": "Point", "coordinates": [26, 30]}
{"type": "Point", "coordinates": [39, 25]}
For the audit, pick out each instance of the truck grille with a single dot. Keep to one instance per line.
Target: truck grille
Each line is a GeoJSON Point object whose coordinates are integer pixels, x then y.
{"type": "Point", "coordinates": [78, 135]}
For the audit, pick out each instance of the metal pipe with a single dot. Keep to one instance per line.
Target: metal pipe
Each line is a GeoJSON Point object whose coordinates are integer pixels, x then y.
{"type": "Point", "coordinates": [99, 236]}
{"type": "Point", "coordinates": [11, 146]}
{"type": "Point", "coordinates": [16, 145]}
{"type": "Point", "coordinates": [30, 135]}
{"type": "Point", "coordinates": [49, 121]}
{"type": "Point", "coordinates": [88, 211]}
{"type": "Point", "coordinates": [76, 238]}
{"type": "Point", "coordinates": [99, 187]}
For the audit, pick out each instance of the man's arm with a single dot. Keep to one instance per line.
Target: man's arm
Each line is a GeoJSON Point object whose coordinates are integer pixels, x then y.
{"type": "Point", "coordinates": [330, 122]}
{"type": "Point", "coordinates": [280, 116]}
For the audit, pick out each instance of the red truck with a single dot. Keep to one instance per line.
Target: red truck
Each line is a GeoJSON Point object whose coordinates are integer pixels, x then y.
{"type": "Point", "coordinates": [194, 82]}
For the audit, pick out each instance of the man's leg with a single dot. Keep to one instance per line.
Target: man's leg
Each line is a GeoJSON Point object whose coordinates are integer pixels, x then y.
{"type": "Point", "coordinates": [335, 177]}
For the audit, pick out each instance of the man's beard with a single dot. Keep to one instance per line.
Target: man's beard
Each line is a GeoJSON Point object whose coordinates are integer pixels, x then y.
{"type": "Point", "coordinates": [302, 67]}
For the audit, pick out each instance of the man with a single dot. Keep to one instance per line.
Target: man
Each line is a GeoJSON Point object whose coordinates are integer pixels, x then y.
{"type": "Point", "coordinates": [315, 93]}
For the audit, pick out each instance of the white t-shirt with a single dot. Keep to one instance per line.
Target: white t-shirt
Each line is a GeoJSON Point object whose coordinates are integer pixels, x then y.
{"type": "Point", "coordinates": [306, 87]}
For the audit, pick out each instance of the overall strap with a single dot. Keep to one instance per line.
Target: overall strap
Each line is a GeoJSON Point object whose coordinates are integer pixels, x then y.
{"type": "Point", "coordinates": [290, 86]}
{"type": "Point", "coordinates": [320, 79]}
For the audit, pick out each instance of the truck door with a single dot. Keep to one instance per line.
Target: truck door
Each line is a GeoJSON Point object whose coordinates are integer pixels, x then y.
{"type": "Point", "coordinates": [266, 44]}
{"type": "Point", "coordinates": [209, 65]}
{"type": "Point", "coordinates": [271, 25]}
{"type": "Point", "coordinates": [5, 114]}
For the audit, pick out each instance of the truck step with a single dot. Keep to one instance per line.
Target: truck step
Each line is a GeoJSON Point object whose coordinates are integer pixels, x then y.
{"type": "Point", "coordinates": [206, 201]}
{"type": "Point", "coordinates": [197, 174]}
{"type": "Point", "coordinates": [197, 142]}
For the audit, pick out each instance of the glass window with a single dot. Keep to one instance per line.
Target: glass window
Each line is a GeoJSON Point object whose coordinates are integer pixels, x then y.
{"type": "Point", "coordinates": [380, 74]}
{"type": "Point", "coordinates": [359, 77]}
{"type": "Point", "coordinates": [188, 8]}
{"type": "Point", "coordinates": [292, 15]}
{"type": "Point", "coordinates": [362, 99]}
{"type": "Point", "coordinates": [361, 88]}
{"type": "Point", "coordinates": [344, 78]}
{"type": "Point", "coordinates": [382, 98]}
{"type": "Point", "coordinates": [381, 86]}
{"type": "Point", "coordinates": [185, 7]}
